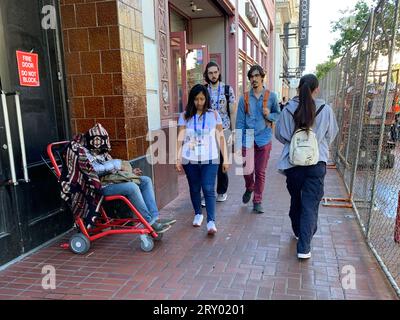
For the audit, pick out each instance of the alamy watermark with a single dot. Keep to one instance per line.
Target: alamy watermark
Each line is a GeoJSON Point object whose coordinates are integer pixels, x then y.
{"type": "Point", "coordinates": [49, 20]}
{"type": "Point", "coordinates": [349, 278]}
{"type": "Point", "coordinates": [49, 278]}
{"type": "Point", "coordinates": [164, 149]}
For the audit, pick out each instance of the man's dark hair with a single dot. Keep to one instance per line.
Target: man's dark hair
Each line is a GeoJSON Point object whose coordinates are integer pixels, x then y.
{"type": "Point", "coordinates": [208, 66]}
{"type": "Point", "coordinates": [256, 68]}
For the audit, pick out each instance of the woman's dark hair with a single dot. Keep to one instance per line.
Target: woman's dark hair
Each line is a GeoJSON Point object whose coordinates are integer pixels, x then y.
{"type": "Point", "coordinates": [304, 117]}
{"type": "Point", "coordinates": [256, 68]}
{"type": "Point", "coordinates": [208, 66]}
{"type": "Point", "coordinates": [191, 108]}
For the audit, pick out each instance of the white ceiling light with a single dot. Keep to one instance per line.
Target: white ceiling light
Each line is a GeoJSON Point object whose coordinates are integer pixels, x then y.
{"type": "Point", "coordinates": [194, 7]}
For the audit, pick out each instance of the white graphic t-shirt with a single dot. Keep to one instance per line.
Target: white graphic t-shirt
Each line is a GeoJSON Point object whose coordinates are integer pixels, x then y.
{"type": "Point", "coordinates": [218, 102]}
{"type": "Point", "coordinates": [200, 142]}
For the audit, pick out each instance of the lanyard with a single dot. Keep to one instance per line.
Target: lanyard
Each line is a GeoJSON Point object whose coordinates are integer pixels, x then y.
{"type": "Point", "coordinates": [195, 122]}
{"type": "Point", "coordinates": [219, 93]}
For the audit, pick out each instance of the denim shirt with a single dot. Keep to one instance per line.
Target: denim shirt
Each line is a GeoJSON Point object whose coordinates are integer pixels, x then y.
{"type": "Point", "coordinates": [259, 132]}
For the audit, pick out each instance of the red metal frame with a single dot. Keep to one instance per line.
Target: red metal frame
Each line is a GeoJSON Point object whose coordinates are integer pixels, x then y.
{"type": "Point", "coordinates": [118, 226]}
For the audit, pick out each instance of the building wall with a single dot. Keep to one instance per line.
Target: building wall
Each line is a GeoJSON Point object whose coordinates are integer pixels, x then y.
{"type": "Point", "coordinates": [155, 49]}
{"type": "Point", "coordinates": [287, 12]}
{"type": "Point", "coordinates": [104, 58]}
{"type": "Point", "coordinates": [266, 12]}
{"type": "Point", "coordinates": [152, 66]}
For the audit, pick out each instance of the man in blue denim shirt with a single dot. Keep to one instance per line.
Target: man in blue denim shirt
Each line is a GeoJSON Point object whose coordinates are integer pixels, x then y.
{"type": "Point", "coordinates": [254, 124]}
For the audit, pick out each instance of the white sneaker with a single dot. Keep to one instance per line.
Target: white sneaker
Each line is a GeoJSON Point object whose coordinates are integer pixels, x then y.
{"type": "Point", "coordinates": [222, 197]}
{"type": "Point", "coordinates": [203, 202]}
{"type": "Point", "coordinates": [211, 227]}
{"type": "Point", "coordinates": [198, 220]}
{"type": "Point", "coordinates": [304, 255]}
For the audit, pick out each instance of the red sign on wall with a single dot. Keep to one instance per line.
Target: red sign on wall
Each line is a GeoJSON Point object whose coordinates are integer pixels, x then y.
{"type": "Point", "coordinates": [28, 69]}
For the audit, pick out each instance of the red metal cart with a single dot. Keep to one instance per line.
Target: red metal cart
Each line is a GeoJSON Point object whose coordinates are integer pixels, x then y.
{"type": "Point", "coordinates": [104, 226]}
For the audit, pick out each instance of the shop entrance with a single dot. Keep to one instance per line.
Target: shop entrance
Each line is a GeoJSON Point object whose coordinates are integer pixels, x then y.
{"type": "Point", "coordinates": [187, 62]}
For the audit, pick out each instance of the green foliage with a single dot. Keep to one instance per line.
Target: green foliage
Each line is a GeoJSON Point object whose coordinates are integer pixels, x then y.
{"type": "Point", "coordinates": [324, 68]}
{"type": "Point", "coordinates": [350, 27]}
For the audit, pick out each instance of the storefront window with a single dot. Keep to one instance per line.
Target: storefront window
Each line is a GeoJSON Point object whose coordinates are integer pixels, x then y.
{"type": "Point", "coordinates": [195, 66]}
{"type": "Point", "coordinates": [240, 76]}
{"type": "Point", "coordinates": [247, 79]}
{"type": "Point", "coordinates": [248, 46]}
{"type": "Point", "coordinates": [240, 38]}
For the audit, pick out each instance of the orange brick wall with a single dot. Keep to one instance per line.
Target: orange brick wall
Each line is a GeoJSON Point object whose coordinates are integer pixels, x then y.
{"type": "Point", "coordinates": [104, 60]}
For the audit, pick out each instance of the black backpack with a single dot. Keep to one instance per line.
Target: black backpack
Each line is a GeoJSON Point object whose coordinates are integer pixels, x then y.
{"type": "Point", "coordinates": [227, 89]}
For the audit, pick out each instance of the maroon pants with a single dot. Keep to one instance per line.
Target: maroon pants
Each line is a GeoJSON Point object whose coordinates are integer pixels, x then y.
{"type": "Point", "coordinates": [254, 169]}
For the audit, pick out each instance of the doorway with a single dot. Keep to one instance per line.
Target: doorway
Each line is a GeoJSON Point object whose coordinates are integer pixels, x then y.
{"type": "Point", "coordinates": [31, 211]}
{"type": "Point", "coordinates": [188, 62]}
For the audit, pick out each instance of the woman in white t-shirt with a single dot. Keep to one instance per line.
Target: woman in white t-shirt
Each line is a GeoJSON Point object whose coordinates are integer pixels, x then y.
{"type": "Point", "coordinates": [199, 137]}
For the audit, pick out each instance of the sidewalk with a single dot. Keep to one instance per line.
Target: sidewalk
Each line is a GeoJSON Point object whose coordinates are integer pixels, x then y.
{"type": "Point", "coordinates": [251, 257]}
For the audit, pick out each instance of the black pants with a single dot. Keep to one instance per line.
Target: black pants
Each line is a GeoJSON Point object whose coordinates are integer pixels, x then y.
{"type": "Point", "coordinates": [222, 179]}
{"type": "Point", "coordinates": [306, 188]}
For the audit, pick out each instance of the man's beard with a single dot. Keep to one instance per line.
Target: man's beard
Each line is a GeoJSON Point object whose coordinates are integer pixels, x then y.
{"type": "Point", "coordinates": [214, 82]}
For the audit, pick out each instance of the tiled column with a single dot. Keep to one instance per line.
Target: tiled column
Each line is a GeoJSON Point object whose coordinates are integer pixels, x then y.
{"type": "Point", "coordinates": [103, 47]}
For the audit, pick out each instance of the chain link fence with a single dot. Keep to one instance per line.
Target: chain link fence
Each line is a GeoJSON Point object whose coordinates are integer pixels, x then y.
{"type": "Point", "coordinates": [363, 89]}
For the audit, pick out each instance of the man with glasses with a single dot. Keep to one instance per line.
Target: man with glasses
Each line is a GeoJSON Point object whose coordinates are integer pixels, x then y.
{"type": "Point", "coordinates": [223, 101]}
{"type": "Point", "coordinates": [257, 111]}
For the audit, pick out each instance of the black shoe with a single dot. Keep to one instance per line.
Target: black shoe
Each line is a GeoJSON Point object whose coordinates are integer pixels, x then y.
{"type": "Point", "coordinates": [247, 196]}
{"type": "Point", "coordinates": [160, 227]}
{"type": "Point", "coordinates": [168, 222]}
{"type": "Point", "coordinates": [258, 208]}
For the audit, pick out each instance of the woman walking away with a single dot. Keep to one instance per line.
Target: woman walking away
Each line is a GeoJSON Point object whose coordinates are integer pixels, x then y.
{"type": "Point", "coordinates": [200, 132]}
{"type": "Point", "coordinates": [306, 127]}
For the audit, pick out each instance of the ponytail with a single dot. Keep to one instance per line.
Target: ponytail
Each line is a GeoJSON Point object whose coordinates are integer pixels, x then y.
{"type": "Point", "coordinates": [304, 117]}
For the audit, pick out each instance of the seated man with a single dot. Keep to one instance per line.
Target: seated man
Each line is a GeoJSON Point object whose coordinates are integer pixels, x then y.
{"type": "Point", "coordinates": [139, 189]}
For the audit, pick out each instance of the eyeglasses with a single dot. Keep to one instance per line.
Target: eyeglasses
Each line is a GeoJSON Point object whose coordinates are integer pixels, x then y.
{"type": "Point", "coordinates": [257, 75]}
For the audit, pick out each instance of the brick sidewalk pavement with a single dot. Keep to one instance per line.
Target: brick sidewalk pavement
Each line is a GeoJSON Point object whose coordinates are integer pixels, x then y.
{"type": "Point", "coordinates": [251, 257]}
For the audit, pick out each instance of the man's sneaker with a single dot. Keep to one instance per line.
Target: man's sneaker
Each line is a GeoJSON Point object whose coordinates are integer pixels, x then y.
{"type": "Point", "coordinates": [198, 220]}
{"type": "Point", "coordinates": [258, 208]}
{"type": "Point", "coordinates": [159, 227]}
{"type": "Point", "coordinates": [168, 222]}
{"type": "Point", "coordinates": [203, 202]}
{"type": "Point", "coordinates": [304, 255]}
{"type": "Point", "coordinates": [211, 228]}
{"type": "Point", "coordinates": [247, 196]}
{"type": "Point", "coordinates": [222, 197]}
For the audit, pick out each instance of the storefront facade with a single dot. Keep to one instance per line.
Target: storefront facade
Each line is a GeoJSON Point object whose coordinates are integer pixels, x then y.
{"type": "Point", "coordinates": [127, 64]}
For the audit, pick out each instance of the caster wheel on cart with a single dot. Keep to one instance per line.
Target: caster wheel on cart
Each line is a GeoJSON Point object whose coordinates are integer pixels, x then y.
{"type": "Point", "coordinates": [79, 244]}
{"type": "Point", "coordinates": [159, 237]}
{"type": "Point", "coordinates": [146, 244]}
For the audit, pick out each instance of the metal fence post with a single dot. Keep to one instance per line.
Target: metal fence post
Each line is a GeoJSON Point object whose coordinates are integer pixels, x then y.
{"type": "Point", "coordinates": [352, 108]}
{"type": "Point", "coordinates": [382, 129]}
{"type": "Point", "coordinates": [342, 110]}
{"type": "Point", "coordinates": [362, 102]}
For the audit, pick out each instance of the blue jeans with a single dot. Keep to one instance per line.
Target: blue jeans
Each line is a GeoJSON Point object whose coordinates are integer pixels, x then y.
{"type": "Point", "coordinates": [202, 176]}
{"type": "Point", "coordinates": [306, 188]}
{"type": "Point", "coordinates": [141, 196]}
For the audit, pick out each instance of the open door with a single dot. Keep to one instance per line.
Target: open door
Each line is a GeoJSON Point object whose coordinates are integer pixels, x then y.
{"type": "Point", "coordinates": [196, 60]}
{"type": "Point", "coordinates": [178, 70]}
{"type": "Point", "coordinates": [188, 62]}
